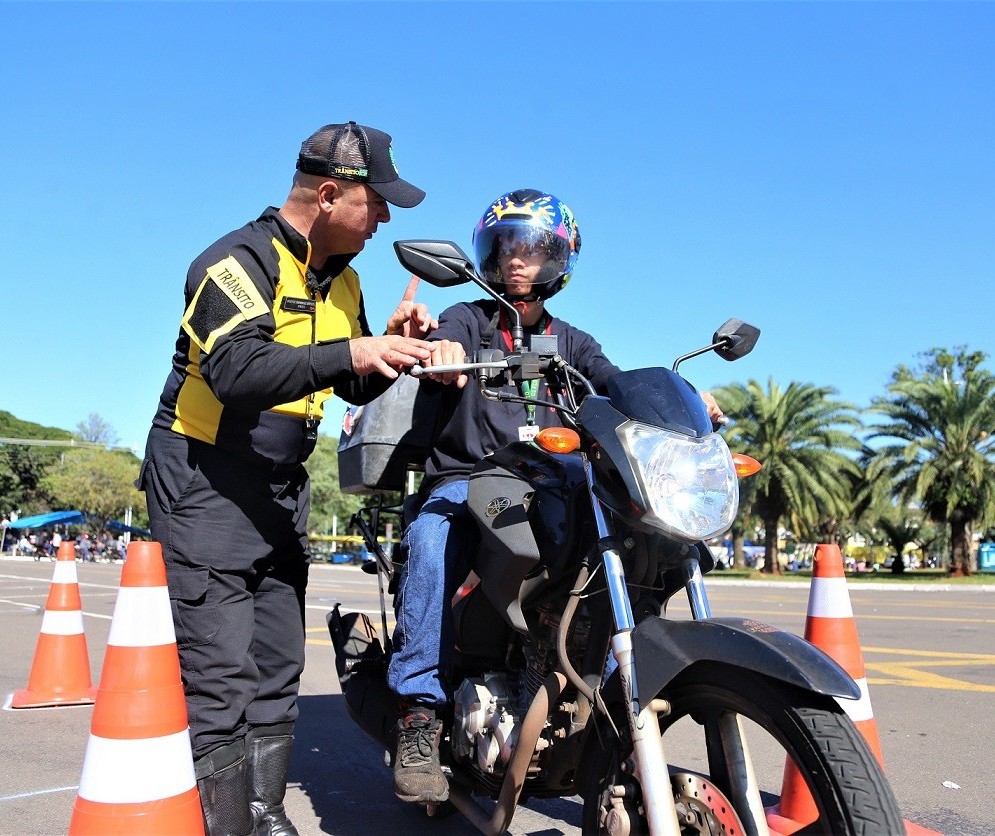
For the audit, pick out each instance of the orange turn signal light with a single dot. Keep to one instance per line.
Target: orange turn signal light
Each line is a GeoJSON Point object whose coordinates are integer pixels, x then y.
{"type": "Point", "coordinates": [558, 440]}
{"type": "Point", "coordinates": [745, 465]}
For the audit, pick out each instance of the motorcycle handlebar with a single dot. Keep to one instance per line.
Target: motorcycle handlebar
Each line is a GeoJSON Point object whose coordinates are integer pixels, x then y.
{"type": "Point", "coordinates": [494, 368]}
{"type": "Point", "coordinates": [420, 371]}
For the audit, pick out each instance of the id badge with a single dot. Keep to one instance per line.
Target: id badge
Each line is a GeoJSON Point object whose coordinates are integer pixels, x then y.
{"type": "Point", "coordinates": [528, 432]}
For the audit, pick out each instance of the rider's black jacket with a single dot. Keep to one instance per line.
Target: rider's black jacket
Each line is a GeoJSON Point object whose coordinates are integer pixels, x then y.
{"type": "Point", "coordinates": [469, 427]}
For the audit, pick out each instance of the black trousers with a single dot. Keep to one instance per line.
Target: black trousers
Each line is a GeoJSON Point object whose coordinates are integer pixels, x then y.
{"type": "Point", "coordinates": [234, 540]}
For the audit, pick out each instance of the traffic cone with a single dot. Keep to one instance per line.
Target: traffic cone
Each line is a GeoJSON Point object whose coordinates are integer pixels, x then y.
{"type": "Point", "coordinates": [138, 769]}
{"type": "Point", "coordinates": [831, 627]}
{"type": "Point", "coordinates": [60, 672]}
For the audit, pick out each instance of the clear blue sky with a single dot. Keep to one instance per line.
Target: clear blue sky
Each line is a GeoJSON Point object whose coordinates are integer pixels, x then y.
{"type": "Point", "coordinates": [823, 170]}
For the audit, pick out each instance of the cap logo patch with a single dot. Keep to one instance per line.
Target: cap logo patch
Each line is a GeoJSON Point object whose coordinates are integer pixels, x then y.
{"type": "Point", "coordinates": [346, 171]}
{"type": "Point", "coordinates": [393, 162]}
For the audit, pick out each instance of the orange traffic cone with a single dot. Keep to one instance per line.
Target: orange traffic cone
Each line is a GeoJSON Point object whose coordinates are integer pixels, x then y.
{"type": "Point", "coordinates": [60, 672]}
{"type": "Point", "coordinates": [138, 770]}
{"type": "Point", "coordinates": [831, 627]}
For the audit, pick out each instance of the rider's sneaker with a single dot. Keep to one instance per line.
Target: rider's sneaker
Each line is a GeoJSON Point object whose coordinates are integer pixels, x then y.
{"type": "Point", "coordinates": [417, 772]}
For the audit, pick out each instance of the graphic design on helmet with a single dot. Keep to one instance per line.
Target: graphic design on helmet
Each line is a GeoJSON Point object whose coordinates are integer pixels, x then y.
{"type": "Point", "coordinates": [517, 230]}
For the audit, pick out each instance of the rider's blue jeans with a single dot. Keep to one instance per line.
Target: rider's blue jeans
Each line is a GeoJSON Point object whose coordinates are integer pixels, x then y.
{"type": "Point", "coordinates": [437, 542]}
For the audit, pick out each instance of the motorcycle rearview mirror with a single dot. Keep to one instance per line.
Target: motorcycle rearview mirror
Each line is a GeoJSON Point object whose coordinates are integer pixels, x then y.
{"type": "Point", "coordinates": [440, 263]}
{"type": "Point", "coordinates": [735, 339]}
{"type": "Point", "coordinates": [444, 264]}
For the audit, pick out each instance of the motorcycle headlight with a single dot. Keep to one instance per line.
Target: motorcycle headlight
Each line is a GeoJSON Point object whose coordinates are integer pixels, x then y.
{"type": "Point", "coordinates": [689, 483]}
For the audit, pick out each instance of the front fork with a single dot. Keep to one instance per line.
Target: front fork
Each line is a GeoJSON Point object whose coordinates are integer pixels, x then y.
{"type": "Point", "coordinates": [644, 712]}
{"type": "Point", "coordinates": [644, 722]}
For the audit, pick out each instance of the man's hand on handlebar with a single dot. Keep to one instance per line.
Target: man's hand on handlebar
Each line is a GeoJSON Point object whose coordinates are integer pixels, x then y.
{"type": "Point", "coordinates": [446, 353]}
{"type": "Point", "coordinates": [388, 355]}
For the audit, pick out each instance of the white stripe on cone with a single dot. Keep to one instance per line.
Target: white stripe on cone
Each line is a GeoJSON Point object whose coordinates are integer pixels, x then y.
{"type": "Point", "coordinates": [62, 622]}
{"type": "Point", "coordinates": [859, 709]}
{"type": "Point", "coordinates": [142, 618]}
{"type": "Point", "coordinates": [65, 572]}
{"type": "Point", "coordinates": [120, 771]}
{"type": "Point", "coordinates": [828, 598]}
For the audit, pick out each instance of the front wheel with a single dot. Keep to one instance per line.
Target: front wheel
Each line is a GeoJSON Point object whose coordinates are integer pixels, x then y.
{"type": "Point", "coordinates": [709, 705]}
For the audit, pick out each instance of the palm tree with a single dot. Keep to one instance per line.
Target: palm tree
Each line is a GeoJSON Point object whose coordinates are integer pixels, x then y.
{"type": "Point", "coordinates": [944, 455]}
{"type": "Point", "coordinates": [800, 435]}
{"type": "Point", "coordinates": [879, 517]}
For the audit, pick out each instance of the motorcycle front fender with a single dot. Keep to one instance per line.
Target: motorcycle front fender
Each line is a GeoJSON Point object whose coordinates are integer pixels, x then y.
{"type": "Point", "coordinates": [663, 648]}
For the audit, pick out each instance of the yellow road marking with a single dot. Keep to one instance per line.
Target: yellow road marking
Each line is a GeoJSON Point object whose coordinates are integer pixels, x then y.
{"type": "Point", "coordinates": [939, 654]}
{"type": "Point", "coordinates": [910, 673]}
{"type": "Point", "coordinates": [873, 616]}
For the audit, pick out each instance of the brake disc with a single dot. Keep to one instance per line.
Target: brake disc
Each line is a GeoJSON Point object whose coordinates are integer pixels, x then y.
{"type": "Point", "coordinates": [702, 808]}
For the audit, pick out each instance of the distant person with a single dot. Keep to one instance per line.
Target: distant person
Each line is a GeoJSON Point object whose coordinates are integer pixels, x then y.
{"type": "Point", "coordinates": [274, 320]}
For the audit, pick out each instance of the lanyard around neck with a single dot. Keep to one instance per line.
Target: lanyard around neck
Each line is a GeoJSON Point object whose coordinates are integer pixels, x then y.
{"type": "Point", "coordinates": [528, 388]}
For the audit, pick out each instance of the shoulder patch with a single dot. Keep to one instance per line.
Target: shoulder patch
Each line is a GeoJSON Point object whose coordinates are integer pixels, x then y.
{"type": "Point", "coordinates": [226, 297]}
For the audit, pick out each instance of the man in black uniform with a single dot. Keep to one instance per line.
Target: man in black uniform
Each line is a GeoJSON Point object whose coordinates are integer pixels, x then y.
{"type": "Point", "coordinates": [274, 322]}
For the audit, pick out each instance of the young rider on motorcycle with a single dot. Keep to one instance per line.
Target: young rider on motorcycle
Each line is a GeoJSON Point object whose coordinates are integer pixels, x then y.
{"type": "Point", "coordinates": [525, 247]}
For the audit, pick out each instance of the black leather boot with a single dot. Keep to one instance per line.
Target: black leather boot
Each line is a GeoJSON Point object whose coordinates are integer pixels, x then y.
{"type": "Point", "coordinates": [269, 760]}
{"type": "Point", "coordinates": [222, 781]}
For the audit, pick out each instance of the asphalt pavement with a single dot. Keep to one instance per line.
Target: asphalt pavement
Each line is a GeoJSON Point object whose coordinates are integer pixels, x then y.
{"type": "Point", "coordinates": [929, 653]}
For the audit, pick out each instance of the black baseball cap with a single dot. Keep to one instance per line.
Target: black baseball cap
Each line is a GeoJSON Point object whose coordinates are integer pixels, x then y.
{"type": "Point", "coordinates": [355, 152]}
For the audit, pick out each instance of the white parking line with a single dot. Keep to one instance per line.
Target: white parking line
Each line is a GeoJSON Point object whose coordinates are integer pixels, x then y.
{"type": "Point", "coordinates": [36, 792]}
{"type": "Point", "coordinates": [19, 604]}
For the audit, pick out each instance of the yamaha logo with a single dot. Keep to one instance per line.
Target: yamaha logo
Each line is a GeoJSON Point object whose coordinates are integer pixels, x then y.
{"type": "Point", "coordinates": [497, 505]}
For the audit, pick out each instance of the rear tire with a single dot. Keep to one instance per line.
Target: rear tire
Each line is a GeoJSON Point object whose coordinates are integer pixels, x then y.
{"type": "Point", "coordinates": [846, 782]}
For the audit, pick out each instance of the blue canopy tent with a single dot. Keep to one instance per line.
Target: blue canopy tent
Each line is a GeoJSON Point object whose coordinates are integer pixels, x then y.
{"type": "Point", "coordinates": [51, 518]}
{"type": "Point", "coordinates": [74, 518]}
{"type": "Point", "coordinates": [114, 525]}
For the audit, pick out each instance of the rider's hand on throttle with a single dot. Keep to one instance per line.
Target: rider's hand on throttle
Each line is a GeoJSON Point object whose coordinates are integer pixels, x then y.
{"type": "Point", "coordinates": [388, 355]}
{"type": "Point", "coordinates": [447, 352]}
{"type": "Point", "coordinates": [714, 411]}
{"type": "Point", "coordinates": [411, 319]}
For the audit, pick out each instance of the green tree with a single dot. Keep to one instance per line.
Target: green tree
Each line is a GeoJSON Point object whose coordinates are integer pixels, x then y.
{"type": "Point", "coordinates": [96, 430]}
{"type": "Point", "coordinates": [881, 519]}
{"type": "Point", "coordinates": [800, 435]}
{"type": "Point", "coordinates": [21, 472]}
{"type": "Point", "coordinates": [328, 502]}
{"type": "Point", "coordinates": [25, 458]}
{"type": "Point", "coordinates": [96, 481]}
{"type": "Point", "coordinates": [745, 522]}
{"type": "Point", "coordinates": [941, 417]}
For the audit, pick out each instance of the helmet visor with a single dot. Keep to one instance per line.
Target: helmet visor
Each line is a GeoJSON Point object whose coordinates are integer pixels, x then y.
{"type": "Point", "coordinates": [496, 246]}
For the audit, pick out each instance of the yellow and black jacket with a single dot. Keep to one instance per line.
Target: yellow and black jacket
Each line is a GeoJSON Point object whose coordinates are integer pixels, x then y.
{"type": "Point", "coordinates": [263, 343]}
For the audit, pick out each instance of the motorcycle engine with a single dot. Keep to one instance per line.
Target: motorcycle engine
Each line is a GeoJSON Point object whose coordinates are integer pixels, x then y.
{"type": "Point", "coordinates": [487, 709]}
{"type": "Point", "coordinates": [484, 728]}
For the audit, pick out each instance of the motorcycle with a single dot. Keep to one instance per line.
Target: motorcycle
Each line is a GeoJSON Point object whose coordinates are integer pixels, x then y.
{"type": "Point", "coordinates": [569, 677]}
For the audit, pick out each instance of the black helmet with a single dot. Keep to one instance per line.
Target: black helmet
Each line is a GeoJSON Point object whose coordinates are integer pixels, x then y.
{"type": "Point", "coordinates": [537, 220]}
